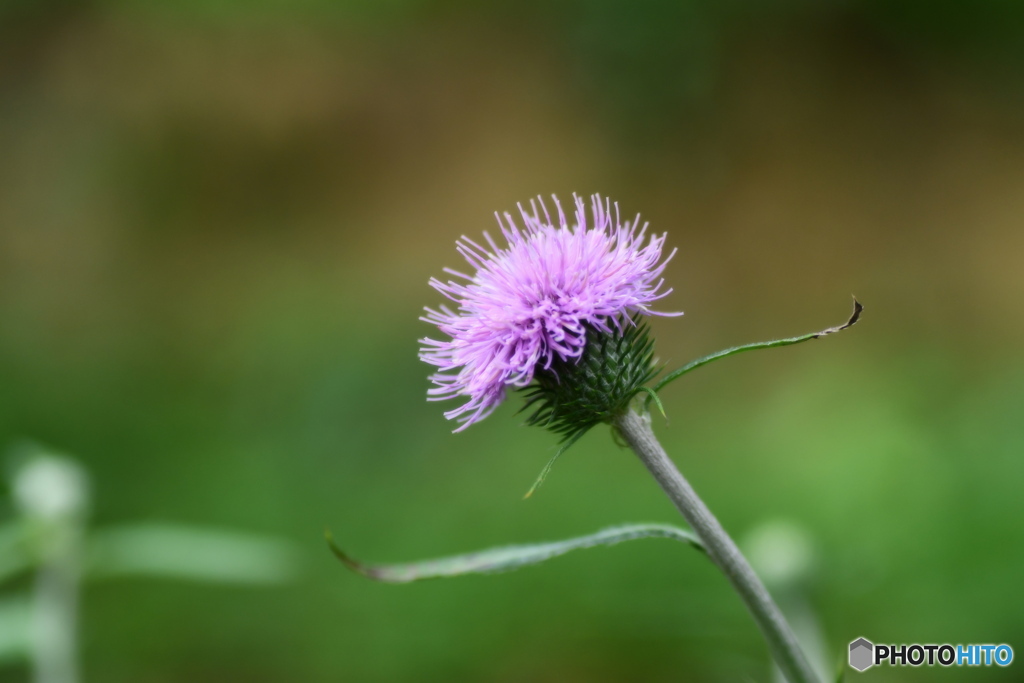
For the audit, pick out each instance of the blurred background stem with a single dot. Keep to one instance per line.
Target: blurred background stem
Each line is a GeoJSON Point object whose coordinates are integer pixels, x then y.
{"type": "Point", "coordinates": [55, 611]}
{"type": "Point", "coordinates": [636, 429]}
{"type": "Point", "coordinates": [52, 493]}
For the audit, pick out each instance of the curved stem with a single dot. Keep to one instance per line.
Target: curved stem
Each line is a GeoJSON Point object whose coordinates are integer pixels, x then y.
{"type": "Point", "coordinates": [636, 429]}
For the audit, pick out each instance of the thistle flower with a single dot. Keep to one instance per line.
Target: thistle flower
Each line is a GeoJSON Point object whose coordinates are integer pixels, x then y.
{"type": "Point", "coordinates": [529, 306]}
{"type": "Point", "coordinates": [558, 312]}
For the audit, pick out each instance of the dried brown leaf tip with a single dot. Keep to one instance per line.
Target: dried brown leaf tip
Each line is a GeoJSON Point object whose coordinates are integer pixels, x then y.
{"type": "Point", "coordinates": [857, 308]}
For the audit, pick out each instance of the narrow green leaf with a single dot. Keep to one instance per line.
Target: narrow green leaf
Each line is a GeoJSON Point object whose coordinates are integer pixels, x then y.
{"type": "Point", "coordinates": [693, 365]}
{"type": "Point", "coordinates": [653, 396]}
{"type": "Point", "coordinates": [507, 558]}
{"type": "Point", "coordinates": [190, 553]}
{"type": "Point", "coordinates": [551, 463]}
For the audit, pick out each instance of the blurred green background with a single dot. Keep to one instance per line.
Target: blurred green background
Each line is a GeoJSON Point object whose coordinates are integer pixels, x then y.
{"type": "Point", "coordinates": [218, 219]}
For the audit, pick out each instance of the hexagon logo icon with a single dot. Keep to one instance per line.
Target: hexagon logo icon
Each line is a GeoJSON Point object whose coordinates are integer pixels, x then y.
{"type": "Point", "coordinates": [861, 654]}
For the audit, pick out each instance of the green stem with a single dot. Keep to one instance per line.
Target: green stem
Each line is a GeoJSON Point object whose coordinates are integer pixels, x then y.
{"type": "Point", "coordinates": [636, 430]}
{"type": "Point", "coordinates": [55, 608]}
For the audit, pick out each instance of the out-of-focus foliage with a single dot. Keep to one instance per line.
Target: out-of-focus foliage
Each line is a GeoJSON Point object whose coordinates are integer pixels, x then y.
{"type": "Point", "coordinates": [49, 543]}
{"type": "Point", "coordinates": [217, 221]}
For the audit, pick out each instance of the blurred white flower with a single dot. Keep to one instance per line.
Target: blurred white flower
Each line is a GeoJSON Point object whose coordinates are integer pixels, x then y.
{"type": "Point", "coordinates": [51, 487]}
{"type": "Point", "coordinates": [781, 552]}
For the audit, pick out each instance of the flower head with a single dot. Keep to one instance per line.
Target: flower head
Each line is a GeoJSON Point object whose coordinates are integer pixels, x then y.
{"type": "Point", "coordinates": [530, 304]}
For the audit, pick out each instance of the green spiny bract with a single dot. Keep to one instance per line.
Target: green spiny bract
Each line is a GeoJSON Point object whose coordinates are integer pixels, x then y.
{"type": "Point", "coordinates": [576, 394]}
